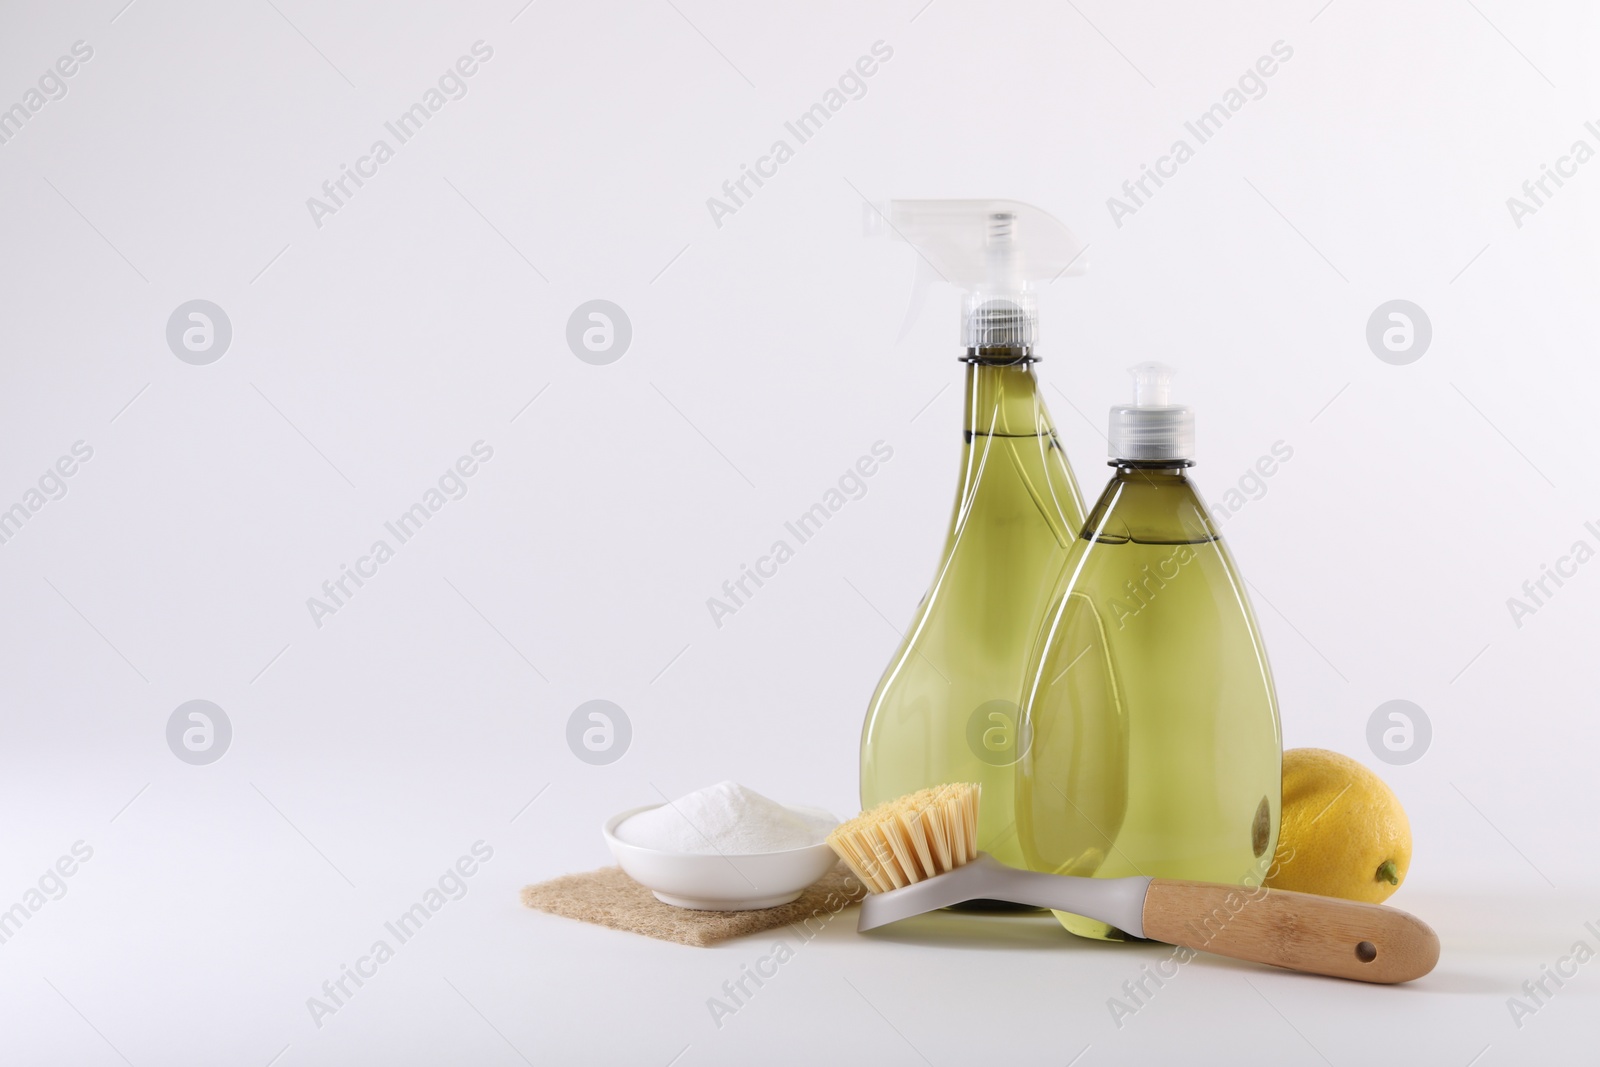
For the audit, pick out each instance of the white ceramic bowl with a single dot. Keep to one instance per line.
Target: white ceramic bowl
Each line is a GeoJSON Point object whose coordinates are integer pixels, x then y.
{"type": "Point", "coordinates": [721, 883]}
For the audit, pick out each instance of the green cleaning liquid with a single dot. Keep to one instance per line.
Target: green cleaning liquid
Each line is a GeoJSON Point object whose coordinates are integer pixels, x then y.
{"type": "Point", "coordinates": [1155, 738]}
{"type": "Point", "coordinates": [947, 709]}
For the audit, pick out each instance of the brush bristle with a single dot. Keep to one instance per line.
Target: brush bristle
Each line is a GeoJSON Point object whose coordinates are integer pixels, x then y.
{"type": "Point", "coordinates": [912, 838]}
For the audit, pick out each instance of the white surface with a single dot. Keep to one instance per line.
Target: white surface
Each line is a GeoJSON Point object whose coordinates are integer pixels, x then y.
{"type": "Point", "coordinates": [369, 754]}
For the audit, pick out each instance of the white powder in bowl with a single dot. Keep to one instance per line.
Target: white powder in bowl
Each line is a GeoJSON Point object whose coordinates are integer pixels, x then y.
{"type": "Point", "coordinates": [725, 819]}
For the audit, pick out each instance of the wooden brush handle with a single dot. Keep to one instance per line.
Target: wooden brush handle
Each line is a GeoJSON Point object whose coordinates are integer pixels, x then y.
{"type": "Point", "coordinates": [1301, 931]}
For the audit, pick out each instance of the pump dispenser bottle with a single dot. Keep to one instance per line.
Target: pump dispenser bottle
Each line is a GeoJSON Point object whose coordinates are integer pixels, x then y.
{"type": "Point", "coordinates": [1155, 738]}
{"type": "Point", "coordinates": [947, 708]}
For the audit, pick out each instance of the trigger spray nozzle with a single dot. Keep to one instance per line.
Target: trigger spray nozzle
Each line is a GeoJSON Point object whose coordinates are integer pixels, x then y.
{"type": "Point", "coordinates": [999, 252]}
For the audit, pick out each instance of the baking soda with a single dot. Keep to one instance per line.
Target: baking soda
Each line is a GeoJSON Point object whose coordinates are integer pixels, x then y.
{"type": "Point", "coordinates": [725, 819]}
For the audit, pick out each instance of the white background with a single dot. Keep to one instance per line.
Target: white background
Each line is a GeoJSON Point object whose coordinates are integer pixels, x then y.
{"type": "Point", "coordinates": [372, 351]}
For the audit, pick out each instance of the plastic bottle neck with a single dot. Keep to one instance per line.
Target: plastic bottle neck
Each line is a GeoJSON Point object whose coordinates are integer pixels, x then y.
{"type": "Point", "coordinates": [1002, 398]}
{"type": "Point", "coordinates": [1153, 503]}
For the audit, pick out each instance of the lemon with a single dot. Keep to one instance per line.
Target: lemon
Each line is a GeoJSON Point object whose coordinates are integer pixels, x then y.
{"type": "Point", "coordinates": [1344, 833]}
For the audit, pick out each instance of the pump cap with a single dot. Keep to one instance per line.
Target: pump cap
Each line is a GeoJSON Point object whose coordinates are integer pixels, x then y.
{"type": "Point", "coordinates": [1152, 428]}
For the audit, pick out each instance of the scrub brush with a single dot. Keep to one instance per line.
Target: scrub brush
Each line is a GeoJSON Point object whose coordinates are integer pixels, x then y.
{"type": "Point", "coordinates": [919, 853]}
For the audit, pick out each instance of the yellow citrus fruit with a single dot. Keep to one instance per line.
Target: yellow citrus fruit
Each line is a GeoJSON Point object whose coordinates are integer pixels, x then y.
{"type": "Point", "coordinates": [1344, 833]}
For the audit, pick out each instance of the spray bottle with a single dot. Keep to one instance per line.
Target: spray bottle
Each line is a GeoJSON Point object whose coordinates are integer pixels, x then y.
{"type": "Point", "coordinates": [1154, 724]}
{"type": "Point", "coordinates": [947, 708]}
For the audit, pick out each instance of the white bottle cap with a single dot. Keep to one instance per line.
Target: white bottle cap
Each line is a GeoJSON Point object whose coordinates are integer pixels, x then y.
{"type": "Point", "coordinates": [1152, 429]}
